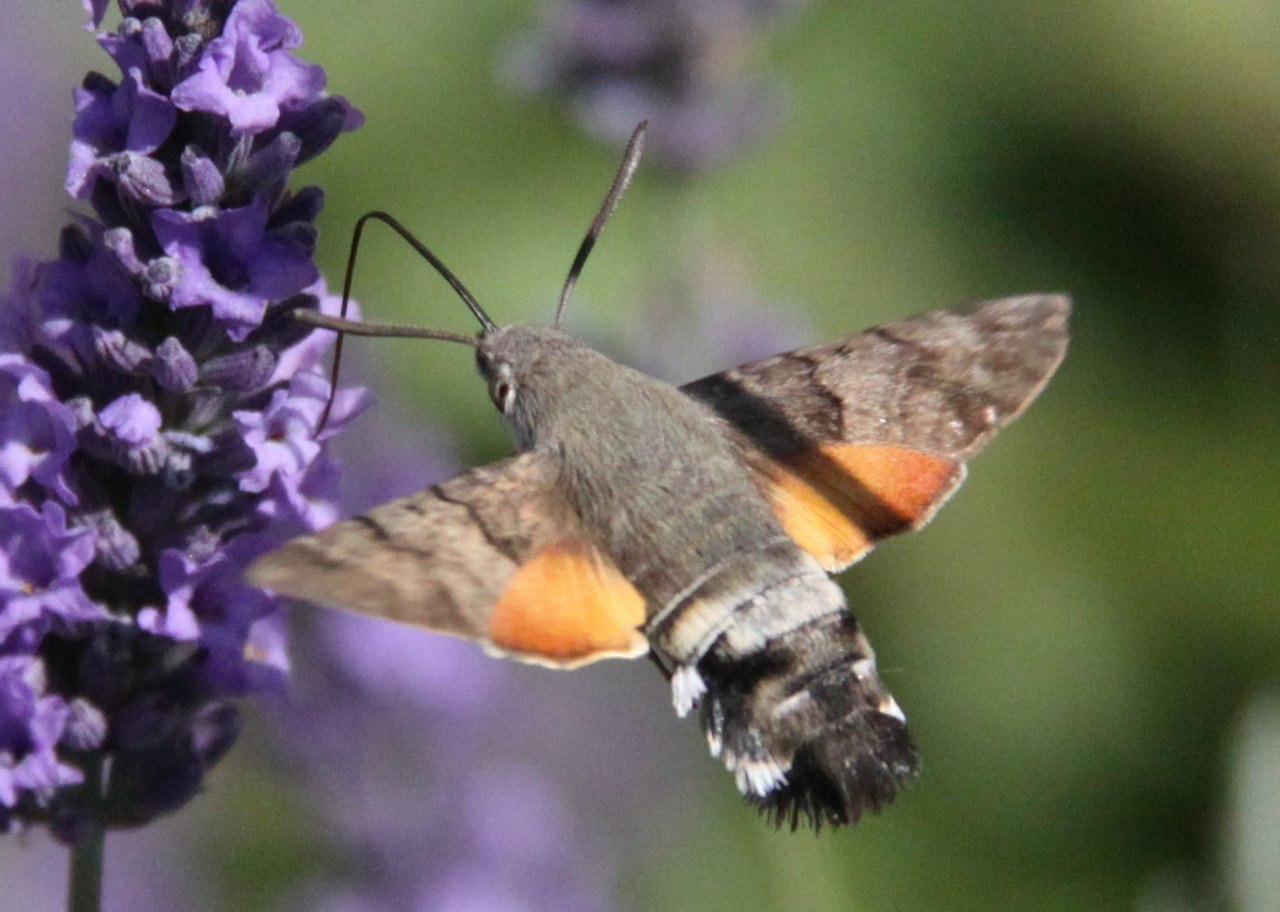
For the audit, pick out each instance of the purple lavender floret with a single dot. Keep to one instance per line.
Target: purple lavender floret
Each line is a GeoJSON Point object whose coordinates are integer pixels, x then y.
{"type": "Point", "coordinates": [32, 724]}
{"type": "Point", "coordinates": [116, 124]}
{"type": "Point", "coordinates": [681, 64]}
{"type": "Point", "coordinates": [37, 432]}
{"type": "Point", "coordinates": [229, 260]}
{"type": "Point", "coordinates": [247, 74]}
{"type": "Point", "coordinates": [158, 415]}
{"type": "Point", "coordinates": [40, 565]}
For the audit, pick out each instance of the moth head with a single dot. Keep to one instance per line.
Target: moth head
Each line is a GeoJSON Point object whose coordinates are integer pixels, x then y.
{"type": "Point", "coordinates": [530, 373]}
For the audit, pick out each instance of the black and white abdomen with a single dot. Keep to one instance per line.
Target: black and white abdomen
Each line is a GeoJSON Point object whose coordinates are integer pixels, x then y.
{"type": "Point", "coordinates": [765, 647]}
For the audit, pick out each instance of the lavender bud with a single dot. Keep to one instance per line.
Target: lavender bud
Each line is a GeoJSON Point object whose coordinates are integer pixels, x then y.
{"type": "Point", "coordinates": [241, 149]}
{"type": "Point", "coordinates": [242, 371]}
{"type": "Point", "coordinates": [267, 171]}
{"type": "Point", "coordinates": [133, 425]}
{"type": "Point", "coordinates": [186, 52]}
{"type": "Point", "coordinates": [205, 408]}
{"type": "Point", "coordinates": [130, 28]}
{"type": "Point", "coordinates": [298, 234]}
{"type": "Point", "coordinates": [159, 49]}
{"type": "Point", "coordinates": [161, 277]}
{"type": "Point", "coordinates": [91, 436]}
{"type": "Point", "coordinates": [144, 179]}
{"type": "Point", "coordinates": [119, 351]}
{"type": "Point", "coordinates": [173, 367]}
{"type": "Point", "coordinates": [201, 177]}
{"type": "Point", "coordinates": [318, 125]}
{"type": "Point", "coordinates": [303, 206]}
{"type": "Point", "coordinates": [197, 16]}
{"type": "Point", "coordinates": [96, 82]}
{"type": "Point", "coordinates": [86, 725]}
{"type": "Point", "coordinates": [120, 242]}
{"type": "Point", "coordinates": [115, 547]}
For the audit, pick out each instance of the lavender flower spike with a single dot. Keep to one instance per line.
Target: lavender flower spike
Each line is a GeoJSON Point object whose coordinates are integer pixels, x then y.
{"type": "Point", "coordinates": [157, 415]}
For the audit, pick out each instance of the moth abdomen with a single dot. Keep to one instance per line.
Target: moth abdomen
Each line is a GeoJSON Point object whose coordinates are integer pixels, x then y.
{"type": "Point", "coordinates": [853, 765]}
{"type": "Point", "coordinates": [806, 725]}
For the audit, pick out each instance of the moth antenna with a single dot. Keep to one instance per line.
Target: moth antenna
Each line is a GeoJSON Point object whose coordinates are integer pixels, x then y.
{"type": "Point", "coordinates": [342, 325]}
{"type": "Point", "coordinates": [621, 180]}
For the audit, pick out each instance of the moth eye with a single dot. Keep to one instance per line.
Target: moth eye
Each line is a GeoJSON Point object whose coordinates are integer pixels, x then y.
{"type": "Point", "coordinates": [503, 394]}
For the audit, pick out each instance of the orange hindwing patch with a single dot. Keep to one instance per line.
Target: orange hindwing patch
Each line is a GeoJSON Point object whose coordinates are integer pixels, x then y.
{"type": "Point", "coordinates": [837, 500]}
{"type": "Point", "coordinates": [566, 606]}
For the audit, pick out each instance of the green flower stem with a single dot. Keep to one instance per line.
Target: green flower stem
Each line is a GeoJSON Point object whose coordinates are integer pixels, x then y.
{"type": "Point", "coordinates": [84, 892]}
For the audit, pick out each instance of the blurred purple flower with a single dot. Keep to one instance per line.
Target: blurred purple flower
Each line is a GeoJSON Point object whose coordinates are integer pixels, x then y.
{"type": "Point", "coordinates": [157, 412]}
{"type": "Point", "coordinates": [708, 317]}
{"type": "Point", "coordinates": [470, 827]}
{"type": "Point", "coordinates": [682, 65]}
{"type": "Point", "coordinates": [32, 723]}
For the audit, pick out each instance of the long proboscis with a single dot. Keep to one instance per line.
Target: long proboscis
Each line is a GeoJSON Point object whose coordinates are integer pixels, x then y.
{"type": "Point", "coordinates": [383, 330]}
{"type": "Point", "coordinates": [342, 326]}
{"type": "Point", "coordinates": [621, 180]}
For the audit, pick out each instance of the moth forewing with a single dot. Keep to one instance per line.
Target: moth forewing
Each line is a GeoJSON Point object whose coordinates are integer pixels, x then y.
{"type": "Point", "coordinates": [494, 555]}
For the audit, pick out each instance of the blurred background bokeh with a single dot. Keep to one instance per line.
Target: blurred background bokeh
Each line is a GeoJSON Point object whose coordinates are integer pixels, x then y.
{"type": "Point", "coordinates": [1087, 639]}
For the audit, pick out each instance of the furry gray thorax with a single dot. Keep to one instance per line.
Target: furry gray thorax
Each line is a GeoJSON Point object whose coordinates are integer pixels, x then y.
{"type": "Point", "coordinates": [651, 472]}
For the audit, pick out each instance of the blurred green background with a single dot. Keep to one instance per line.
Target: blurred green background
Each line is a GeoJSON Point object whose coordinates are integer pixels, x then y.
{"type": "Point", "coordinates": [1083, 635]}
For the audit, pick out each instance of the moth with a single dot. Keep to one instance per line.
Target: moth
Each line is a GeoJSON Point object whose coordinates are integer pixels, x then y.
{"type": "Point", "coordinates": [697, 525]}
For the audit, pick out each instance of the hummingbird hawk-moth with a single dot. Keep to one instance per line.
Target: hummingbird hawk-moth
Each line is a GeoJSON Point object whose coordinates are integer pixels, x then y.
{"type": "Point", "coordinates": [698, 524]}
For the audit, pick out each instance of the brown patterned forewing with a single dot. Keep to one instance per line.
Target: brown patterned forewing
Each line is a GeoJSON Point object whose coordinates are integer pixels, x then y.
{"type": "Point", "coordinates": [859, 439]}
{"type": "Point", "coordinates": [445, 558]}
{"type": "Point", "coordinates": [438, 558]}
{"type": "Point", "coordinates": [942, 383]}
